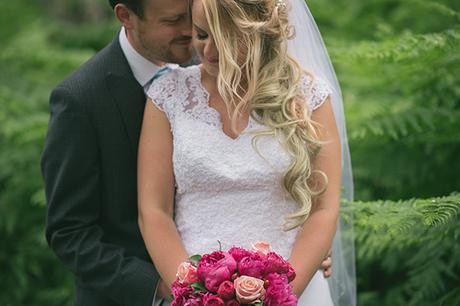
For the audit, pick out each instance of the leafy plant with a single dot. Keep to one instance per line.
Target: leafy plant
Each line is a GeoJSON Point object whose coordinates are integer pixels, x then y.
{"type": "Point", "coordinates": [407, 251]}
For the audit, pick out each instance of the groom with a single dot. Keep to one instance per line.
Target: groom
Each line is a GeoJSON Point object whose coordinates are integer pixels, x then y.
{"type": "Point", "coordinates": [90, 158]}
{"type": "Point", "coordinates": [89, 162]}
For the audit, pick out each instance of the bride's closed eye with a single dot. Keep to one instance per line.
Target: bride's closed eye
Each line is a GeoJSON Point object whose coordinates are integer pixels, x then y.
{"type": "Point", "coordinates": [201, 35]}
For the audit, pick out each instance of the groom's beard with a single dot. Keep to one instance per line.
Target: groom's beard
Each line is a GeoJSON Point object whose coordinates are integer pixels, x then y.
{"type": "Point", "coordinates": [178, 50]}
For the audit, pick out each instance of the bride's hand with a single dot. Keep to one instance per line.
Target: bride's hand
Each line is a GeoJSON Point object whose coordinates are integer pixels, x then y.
{"type": "Point", "coordinates": [326, 265]}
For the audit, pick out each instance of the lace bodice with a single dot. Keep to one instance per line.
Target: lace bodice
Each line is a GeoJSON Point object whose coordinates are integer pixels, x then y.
{"type": "Point", "coordinates": [226, 190]}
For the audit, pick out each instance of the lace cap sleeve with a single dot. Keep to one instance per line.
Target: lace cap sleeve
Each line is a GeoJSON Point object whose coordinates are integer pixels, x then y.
{"type": "Point", "coordinates": [162, 92]}
{"type": "Point", "coordinates": [315, 90]}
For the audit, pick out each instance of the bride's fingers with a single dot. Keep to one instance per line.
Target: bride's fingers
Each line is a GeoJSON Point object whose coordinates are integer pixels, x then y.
{"type": "Point", "coordinates": [327, 263]}
{"type": "Point", "coordinates": [327, 272]}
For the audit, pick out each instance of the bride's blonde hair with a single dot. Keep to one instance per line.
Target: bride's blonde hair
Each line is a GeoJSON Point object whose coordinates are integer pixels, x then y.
{"type": "Point", "coordinates": [257, 74]}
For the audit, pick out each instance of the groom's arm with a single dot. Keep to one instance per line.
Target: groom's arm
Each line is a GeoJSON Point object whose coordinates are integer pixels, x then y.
{"type": "Point", "coordinates": [71, 170]}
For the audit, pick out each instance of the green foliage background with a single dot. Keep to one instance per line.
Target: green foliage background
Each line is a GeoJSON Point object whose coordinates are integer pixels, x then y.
{"type": "Point", "coordinates": [399, 65]}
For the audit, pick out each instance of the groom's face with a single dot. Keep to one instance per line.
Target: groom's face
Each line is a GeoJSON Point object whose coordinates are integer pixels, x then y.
{"type": "Point", "coordinates": [163, 33]}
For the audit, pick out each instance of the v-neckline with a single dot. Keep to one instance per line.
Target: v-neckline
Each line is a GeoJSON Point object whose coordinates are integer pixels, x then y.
{"type": "Point", "coordinates": [220, 125]}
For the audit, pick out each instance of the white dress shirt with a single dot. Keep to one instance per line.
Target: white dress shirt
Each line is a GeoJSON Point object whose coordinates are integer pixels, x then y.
{"type": "Point", "coordinates": [143, 69]}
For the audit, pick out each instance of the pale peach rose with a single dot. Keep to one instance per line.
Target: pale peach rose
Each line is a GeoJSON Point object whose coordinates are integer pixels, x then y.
{"type": "Point", "coordinates": [262, 247]}
{"type": "Point", "coordinates": [186, 273]}
{"type": "Point", "coordinates": [249, 289]}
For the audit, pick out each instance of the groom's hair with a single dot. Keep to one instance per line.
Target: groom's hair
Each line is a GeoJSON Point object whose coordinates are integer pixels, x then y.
{"type": "Point", "coordinates": [137, 6]}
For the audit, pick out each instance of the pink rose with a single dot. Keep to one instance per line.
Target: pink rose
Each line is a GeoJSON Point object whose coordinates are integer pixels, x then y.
{"type": "Point", "coordinates": [253, 265]}
{"type": "Point", "coordinates": [215, 268]}
{"type": "Point", "coordinates": [279, 291]}
{"type": "Point", "coordinates": [212, 300]}
{"type": "Point", "coordinates": [262, 247]}
{"type": "Point", "coordinates": [239, 253]}
{"type": "Point", "coordinates": [226, 290]}
{"type": "Point", "coordinates": [232, 303]}
{"type": "Point", "coordinates": [249, 289]}
{"type": "Point", "coordinates": [186, 273]}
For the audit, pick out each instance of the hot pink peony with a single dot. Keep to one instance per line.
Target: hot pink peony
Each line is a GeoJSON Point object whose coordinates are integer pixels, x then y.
{"type": "Point", "coordinates": [239, 253]}
{"type": "Point", "coordinates": [215, 268]}
{"type": "Point", "coordinates": [276, 264]}
{"type": "Point", "coordinates": [253, 265]}
{"type": "Point", "coordinates": [181, 293]}
{"type": "Point", "coordinates": [226, 290]}
{"type": "Point", "coordinates": [291, 273]}
{"type": "Point", "coordinates": [279, 291]}
{"type": "Point", "coordinates": [212, 300]}
{"type": "Point", "coordinates": [195, 300]}
{"type": "Point", "coordinates": [249, 289]}
{"type": "Point", "coordinates": [232, 303]}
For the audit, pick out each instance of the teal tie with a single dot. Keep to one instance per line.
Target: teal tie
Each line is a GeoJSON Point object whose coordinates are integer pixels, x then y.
{"type": "Point", "coordinates": [160, 72]}
{"type": "Point", "coordinates": [157, 74]}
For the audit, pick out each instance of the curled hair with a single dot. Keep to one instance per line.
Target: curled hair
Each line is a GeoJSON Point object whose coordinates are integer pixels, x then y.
{"type": "Point", "coordinates": [257, 74]}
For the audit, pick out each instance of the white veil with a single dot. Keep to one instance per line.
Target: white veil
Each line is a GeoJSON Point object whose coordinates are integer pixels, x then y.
{"type": "Point", "coordinates": [309, 49]}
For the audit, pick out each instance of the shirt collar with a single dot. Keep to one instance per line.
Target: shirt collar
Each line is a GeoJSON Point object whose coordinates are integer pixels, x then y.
{"type": "Point", "coordinates": [143, 69]}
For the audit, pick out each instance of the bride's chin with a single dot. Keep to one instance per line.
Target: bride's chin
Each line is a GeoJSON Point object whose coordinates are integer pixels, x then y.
{"type": "Point", "coordinates": [211, 70]}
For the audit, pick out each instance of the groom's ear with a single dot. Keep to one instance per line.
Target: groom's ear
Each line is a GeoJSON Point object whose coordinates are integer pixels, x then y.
{"type": "Point", "coordinates": [124, 15]}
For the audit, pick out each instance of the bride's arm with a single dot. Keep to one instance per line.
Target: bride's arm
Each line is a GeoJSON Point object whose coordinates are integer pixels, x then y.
{"type": "Point", "coordinates": [156, 194]}
{"type": "Point", "coordinates": [315, 239]}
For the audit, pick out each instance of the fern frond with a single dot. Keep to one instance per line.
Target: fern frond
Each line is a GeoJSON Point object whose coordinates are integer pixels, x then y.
{"type": "Point", "coordinates": [403, 122]}
{"type": "Point", "coordinates": [408, 46]}
{"type": "Point", "coordinates": [416, 243]}
{"type": "Point", "coordinates": [436, 6]}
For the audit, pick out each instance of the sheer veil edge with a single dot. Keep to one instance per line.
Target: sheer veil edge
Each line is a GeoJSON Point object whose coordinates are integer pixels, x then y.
{"type": "Point", "coordinates": [309, 49]}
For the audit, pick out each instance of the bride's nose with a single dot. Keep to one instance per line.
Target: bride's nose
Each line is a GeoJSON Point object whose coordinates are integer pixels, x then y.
{"type": "Point", "coordinates": [210, 49]}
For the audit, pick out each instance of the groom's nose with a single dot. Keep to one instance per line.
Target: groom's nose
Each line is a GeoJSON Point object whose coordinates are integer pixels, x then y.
{"type": "Point", "coordinates": [186, 26]}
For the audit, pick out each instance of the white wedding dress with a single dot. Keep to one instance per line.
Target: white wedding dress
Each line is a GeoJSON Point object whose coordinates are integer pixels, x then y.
{"type": "Point", "coordinates": [228, 192]}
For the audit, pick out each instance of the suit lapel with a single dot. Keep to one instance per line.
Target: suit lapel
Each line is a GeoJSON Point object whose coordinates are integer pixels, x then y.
{"type": "Point", "coordinates": [130, 100]}
{"type": "Point", "coordinates": [127, 93]}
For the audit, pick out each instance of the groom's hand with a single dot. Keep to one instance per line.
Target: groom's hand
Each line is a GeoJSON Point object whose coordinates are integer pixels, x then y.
{"type": "Point", "coordinates": [164, 291]}
{"type": "Point", "coordinates": [326, 265]}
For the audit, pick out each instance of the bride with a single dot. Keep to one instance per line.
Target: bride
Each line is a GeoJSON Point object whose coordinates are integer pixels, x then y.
{"type": "Point", "coordinates": [245, 144]}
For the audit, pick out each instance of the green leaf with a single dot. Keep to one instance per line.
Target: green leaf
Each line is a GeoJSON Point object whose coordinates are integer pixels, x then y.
{"type": "Point", "coordinates": [195, 259]}
{"type": "Point", "coordinates": [198, 287]}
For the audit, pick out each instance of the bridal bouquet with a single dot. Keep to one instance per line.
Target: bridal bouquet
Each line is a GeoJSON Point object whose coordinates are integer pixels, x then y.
{"type": "Point", "coordinates": [237, 277]}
